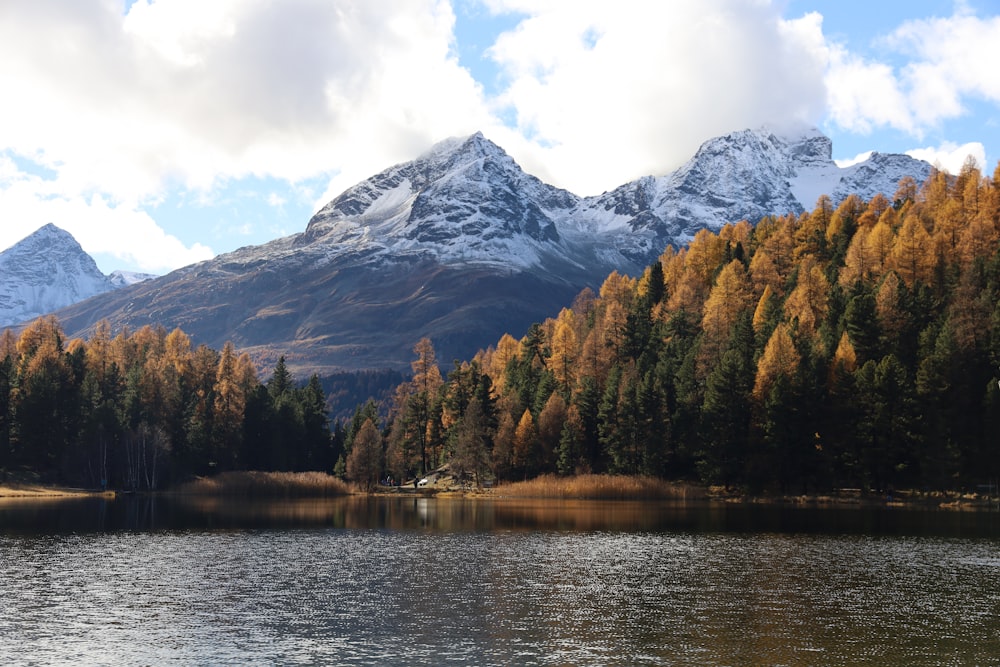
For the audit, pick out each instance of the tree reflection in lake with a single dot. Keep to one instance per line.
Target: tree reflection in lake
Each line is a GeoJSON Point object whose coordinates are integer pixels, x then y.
{"type": "Point", "coordinates": [457, 514]}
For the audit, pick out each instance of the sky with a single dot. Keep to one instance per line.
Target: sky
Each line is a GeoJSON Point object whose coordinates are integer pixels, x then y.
{"type": "Point", "coordinates": [163, 132]}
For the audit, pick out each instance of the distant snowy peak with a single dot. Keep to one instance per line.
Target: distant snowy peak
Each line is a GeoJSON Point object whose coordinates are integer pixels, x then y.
{"type": "Point", "coordinates": [880, 173]}
{"type": "Point", "coordinates": [46, 271]}
{"type": "Point", "coordinates": [745, 175]}
{"type": "Point", "coordinates": [121, 279]}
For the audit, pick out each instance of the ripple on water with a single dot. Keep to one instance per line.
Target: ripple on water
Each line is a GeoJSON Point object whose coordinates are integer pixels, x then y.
{"type": "Point", "coordinates": [326, 596]}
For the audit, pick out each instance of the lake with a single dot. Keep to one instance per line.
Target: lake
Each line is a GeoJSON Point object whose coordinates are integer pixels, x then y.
{"type": "Point", "coordinates": [426, 581]}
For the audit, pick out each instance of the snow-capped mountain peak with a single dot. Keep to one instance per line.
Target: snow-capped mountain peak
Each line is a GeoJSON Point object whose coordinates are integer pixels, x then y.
{"type": "Point", "coordinates": [43, 272]}
{"type": "Point", "coordinates": [48, 270]}
{"type": "Point", "coordinates": [121, 278]}
{"type": "Point", "coordinates": [464, 200]}
{"type": "Point", "coordinates": [744, 175]}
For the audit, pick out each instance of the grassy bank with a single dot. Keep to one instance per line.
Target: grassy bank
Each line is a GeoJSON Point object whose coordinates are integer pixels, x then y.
{"type": "Point", "coordinates": [267, 485]}
{"type": "Point", "coordinates": [28, 484]}
{"type": "Point", "coordinates": [15, 490]}
{"type": "Point", "coordinates": [599, 487]}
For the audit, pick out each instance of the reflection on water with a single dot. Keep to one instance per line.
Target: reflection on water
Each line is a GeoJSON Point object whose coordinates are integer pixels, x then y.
{"type": "Point", "coordinates": [147, 513]}
{"type": "Point", "coordinates": [425, 581]}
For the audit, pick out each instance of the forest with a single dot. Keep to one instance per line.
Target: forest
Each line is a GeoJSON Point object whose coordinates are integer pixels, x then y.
{"type": "Point", "coordinates": [855, 346]}
{"type": "Point", "coordinates": [143, 409]}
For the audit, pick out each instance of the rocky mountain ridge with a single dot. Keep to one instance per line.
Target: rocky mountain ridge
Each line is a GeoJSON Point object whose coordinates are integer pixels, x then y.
{"type": "Point", "coordinates": [461, 245]}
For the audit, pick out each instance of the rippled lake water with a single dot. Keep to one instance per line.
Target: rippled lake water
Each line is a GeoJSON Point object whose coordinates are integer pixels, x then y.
{"type": "Point", "coordinates": [435, 582]}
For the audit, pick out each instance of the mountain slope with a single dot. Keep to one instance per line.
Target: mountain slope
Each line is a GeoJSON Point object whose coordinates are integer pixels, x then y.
{"type": "Point", "coordinates": [460, 245]}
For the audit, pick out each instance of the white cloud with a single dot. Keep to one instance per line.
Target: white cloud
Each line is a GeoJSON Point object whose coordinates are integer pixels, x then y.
{"type": "Point", "coordinates": [606, 92]}
{"type": "Point", "coordinates": [188, 91]}
{"type": "Point", "coordinates": [860, 157]}
{"type": "Point", "coordinates": [950, 156]}
{"type": "Point", "coordinates": [950, 60]}
{"type": "Point", "coordinates": [865, 95]}
{"type": "Point", "coordinates": [186, 94]}
{"type": "Point", "coordinates": [28, 202]}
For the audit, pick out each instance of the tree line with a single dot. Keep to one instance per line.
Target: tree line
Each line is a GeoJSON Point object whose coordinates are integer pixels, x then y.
{"type": "Point", "coordinates": [141, 409]}
{"type": "Point", "coordinates": [850, 346]}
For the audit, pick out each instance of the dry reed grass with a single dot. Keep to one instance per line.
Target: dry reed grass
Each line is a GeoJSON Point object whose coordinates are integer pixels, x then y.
{"type": "Point", "coordinates": [267, 485]}
{"type": "Point", "coordinates": [42, 491]}
{"type": "Point", "coordinates": [600, 487]}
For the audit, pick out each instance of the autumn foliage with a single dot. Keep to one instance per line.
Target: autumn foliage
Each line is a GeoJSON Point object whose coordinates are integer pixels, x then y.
{"type": "Point", "coordinates": [139, 410]}
{"type": "Point", "coordinates": [850, 346]}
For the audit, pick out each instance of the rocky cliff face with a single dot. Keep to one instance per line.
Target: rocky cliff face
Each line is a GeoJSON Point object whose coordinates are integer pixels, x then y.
{"type": "Point", "coordinates": [460, 245]}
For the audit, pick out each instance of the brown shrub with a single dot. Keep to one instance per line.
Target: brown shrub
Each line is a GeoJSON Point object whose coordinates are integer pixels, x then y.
{"type": "Point", "coordinates": [598, 487]}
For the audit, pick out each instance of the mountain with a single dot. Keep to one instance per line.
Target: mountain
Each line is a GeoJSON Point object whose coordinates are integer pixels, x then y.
{"type": "Point", "coordinates": [741, 176]}
{"type": "Point", "coordinates": [44, 272]}
{"type": "Point", "coordinates": [48, 270]}
{"type": "Point", "coordinates": [120, 278]}
{"type": "Point", "coordinates": [461, 245]}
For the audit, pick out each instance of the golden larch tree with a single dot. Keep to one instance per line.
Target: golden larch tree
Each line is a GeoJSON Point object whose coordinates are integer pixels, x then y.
{"type": "Point", "coordinates": [912, 254]}
{"type": "Point", "coordinates": [564, 348]}
{"type": "Point", "coordinates": [845, 358]}
{"type": "Point", "coordinates": [888, 308]}
{"type": "Point", "coordinates": [764, 273]}
{"type": "Point", "coordinates": [508, 348]}
{"type": "Point", "coordinates": [729, 297]}
{"type": "Point", "coordinates": [760, 313]}
{"type": "Point", "coordinates": [809, 301]}
{"type": "Point", "coordinates": [617, 294]}
{"type": "Point", "coordinates": [780, 359]}
{"type": "Point", "coordinates": [525, 442]}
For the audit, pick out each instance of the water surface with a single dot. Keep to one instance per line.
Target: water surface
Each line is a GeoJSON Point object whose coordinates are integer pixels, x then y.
{"type": "Point", "coordinates": [423, 581]}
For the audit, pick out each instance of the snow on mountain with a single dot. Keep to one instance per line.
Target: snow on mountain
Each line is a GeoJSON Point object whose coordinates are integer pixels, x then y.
{"type": "Point", "coordinates": [880, 173]}
{"type": "Point", "coordinates": [48, 270]}
{"type": "Point", "coordinates": [464, 201]}
{"type": "Point", "coordinates": [121, 278]}
{"type": "Point", "coordinates": [45, 272]}
{"type": "Point", "coordinates": [744, 175]}
{"type": "Point", "coordinates": [467, 202]}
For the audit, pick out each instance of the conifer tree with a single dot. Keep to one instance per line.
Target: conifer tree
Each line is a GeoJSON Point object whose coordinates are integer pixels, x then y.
{"type": "Point", "coordinates": [471, 456]}
{"type": "Point", "coordinates": [727, 410]}
{"type": "Point", "coordinates": [364, 463]}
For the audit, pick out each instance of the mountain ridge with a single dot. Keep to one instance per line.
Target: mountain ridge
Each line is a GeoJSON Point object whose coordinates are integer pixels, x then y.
{"type": "Point", "coordinates": [461, 245]}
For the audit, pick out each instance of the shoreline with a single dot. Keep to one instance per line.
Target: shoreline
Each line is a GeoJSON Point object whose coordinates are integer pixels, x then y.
{"type": "Point", "coordinates": [45, 492]}
{"type": "Point", "coordinates": [665, 491]}
{"type": "Point", "coordinates": [288, 486]}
